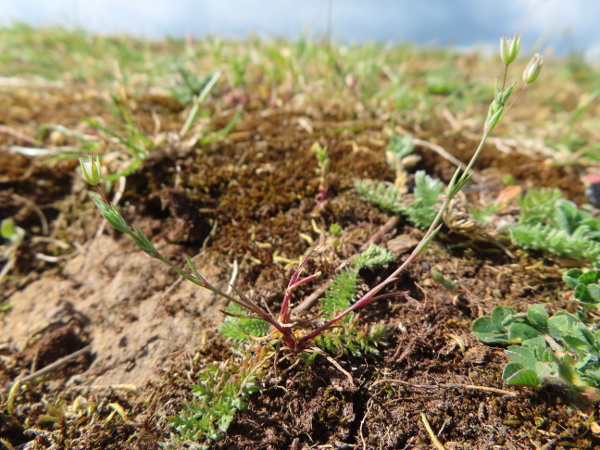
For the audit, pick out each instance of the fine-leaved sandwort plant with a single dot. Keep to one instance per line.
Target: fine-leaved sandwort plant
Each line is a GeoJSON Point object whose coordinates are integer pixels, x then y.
{"type": "Point", "coordinates": [220, 393]}
{"type": "Point", "coordinates": [291, 333]}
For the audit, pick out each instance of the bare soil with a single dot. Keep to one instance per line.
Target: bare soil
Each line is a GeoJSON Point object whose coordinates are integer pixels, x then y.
{"type": "Point", "coordinates": [251, 197]}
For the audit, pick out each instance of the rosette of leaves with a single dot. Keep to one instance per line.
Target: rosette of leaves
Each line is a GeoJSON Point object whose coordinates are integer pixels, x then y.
{"type": "Point", "coordinates": [559, 349]}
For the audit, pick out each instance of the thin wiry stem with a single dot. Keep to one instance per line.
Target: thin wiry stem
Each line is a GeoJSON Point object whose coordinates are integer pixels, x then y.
{"type": "Point", "coordinates": [453, 188]}
{"type": "Point", "coordinates": [285, 313]}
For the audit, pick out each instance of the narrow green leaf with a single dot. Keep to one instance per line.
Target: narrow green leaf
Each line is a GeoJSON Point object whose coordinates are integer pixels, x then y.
{"type": "Point", "coordinates": [148, 247]}
{"type": "Point", "coordinates": [223, 131]}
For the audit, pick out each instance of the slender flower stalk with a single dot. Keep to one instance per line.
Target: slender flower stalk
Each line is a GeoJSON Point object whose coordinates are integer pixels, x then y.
{"type": "Point", "coordinates": [509, 50]}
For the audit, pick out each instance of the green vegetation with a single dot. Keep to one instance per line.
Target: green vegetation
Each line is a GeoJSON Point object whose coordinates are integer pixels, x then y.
{"type": "Point", "coordinates": [549, 222]}
{"type": "Point", "coordinates": [182, 103]}
{"type": "Point", "coordinates": [351, 338]}
{"type": "Point", "coordinates": [240, 326]}
{"type": "Point", "coordinates": [221, 391]}
{"type": "Point", "coordinates": [560, 349]}
{"type": "Point", "coordinates": [586, 287]}
{"type": "Point", "coordinates": [420, 212]}
{"type": "Point", "coordinates": [15, 236]}
{"type": "Point", "coordinates": [546, 220]}
{"type": "Point", "coordinates": [219, 406]}
{"type": "Point", "coordinates": [422, 208]}
{"type": "Point", "coordinates": [381, 193]}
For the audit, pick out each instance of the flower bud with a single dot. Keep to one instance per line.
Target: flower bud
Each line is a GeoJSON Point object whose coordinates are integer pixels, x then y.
{"type": "Point", "coordinates": [91, 169]}
{"type": "Point", "coordinates": [509, 48]}
{"type": "Point", "coordinates": [533, 68]}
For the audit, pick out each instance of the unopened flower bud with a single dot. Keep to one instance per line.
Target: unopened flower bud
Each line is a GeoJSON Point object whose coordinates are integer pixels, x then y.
{"type": "Point", "coordinates": [91, 169]}
{"type": "Point", "coordinates": [509, 48]}
{"type": "Point", "coordinates": [533, 68]}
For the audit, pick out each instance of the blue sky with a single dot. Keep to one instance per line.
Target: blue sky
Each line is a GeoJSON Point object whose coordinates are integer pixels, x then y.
{"type": "Point", "coordinates": [561, 25]}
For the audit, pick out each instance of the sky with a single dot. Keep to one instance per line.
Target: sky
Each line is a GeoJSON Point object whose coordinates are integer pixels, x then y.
{"type": "Point", "coordinates": [558, 25]}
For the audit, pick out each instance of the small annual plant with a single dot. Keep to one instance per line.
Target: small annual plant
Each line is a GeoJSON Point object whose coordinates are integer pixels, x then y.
{"type": "Point", "coordinates": [223, 388]}
{"type": "Point", "coordinates": [294, 338]}
{"type": "Point", "coordinates": [347, 338]}
{"type": "Point", "coordinates": [281, 324]}
{"type": "Point", "coordinates": [431, 202]}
